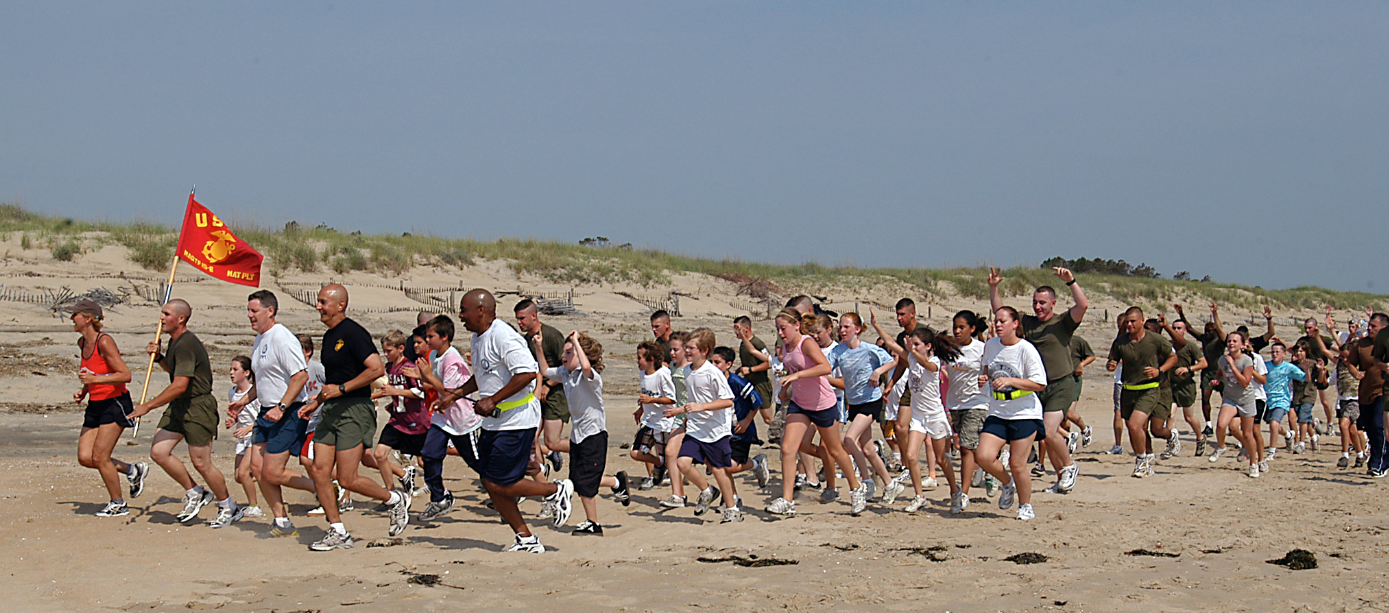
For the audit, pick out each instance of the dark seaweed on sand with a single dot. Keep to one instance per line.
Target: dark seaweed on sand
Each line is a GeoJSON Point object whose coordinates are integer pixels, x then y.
{"type": "Point", "coordinates": [1297, 559]}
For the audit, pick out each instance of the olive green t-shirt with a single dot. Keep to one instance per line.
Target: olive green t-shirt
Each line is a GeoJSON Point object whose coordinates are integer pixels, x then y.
{"type": "Point", "coordinates": [1052, 338]}
{"type": "Point", "coordinates": [552, 343]}
{"type": "Point", "coordinates": [1152, 350]}
{"type": "Point", "coordinates": [1080, 349]}
{"type": "Point", "coordinates": [188, 358]}
{"type": "Point", "coordinates": [1313, 350]}
{"type": "Point", "coordinates": [1187, 356]}
{"type": "Point", "coordinates": [746, 358]}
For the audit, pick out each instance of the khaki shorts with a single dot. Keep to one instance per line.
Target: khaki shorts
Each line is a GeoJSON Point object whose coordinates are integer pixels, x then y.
{"type": "Point", "coordinates": [764, 389]}
{"type": "Point", "coordinates": [1149, 401]}
{"type": "Point", "coordinates": [1184, 395]}
{"type": "Point", "coordinates": [196, 420]}
{"type": "Point", "coordinates": [348, 421]}
{"type": "Point", "coordinates": [1059, 394]}
{"type": "Point", "coordinates": [968, 423]}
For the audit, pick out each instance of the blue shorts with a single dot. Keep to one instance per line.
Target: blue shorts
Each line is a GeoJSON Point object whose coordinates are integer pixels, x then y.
{"type": "Point", "coordinates": [1304, 413]}
{"type": "Point", "coordinates": [823, 418]}
{"type": "Point", "coordinates": [1274, 414]}
{"type": "Point", "coordinates": [1014, 429]}
{"type": "Point", "coordinates": [718, 454]}
{"type": "Point", "coordinates": [288, 434]}
{"type": "Point", "coordinates": [503, 455]}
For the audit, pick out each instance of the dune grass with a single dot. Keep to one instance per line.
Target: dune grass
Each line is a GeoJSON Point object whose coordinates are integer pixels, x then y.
{"type": "Point", "coordinates": [327, 249]}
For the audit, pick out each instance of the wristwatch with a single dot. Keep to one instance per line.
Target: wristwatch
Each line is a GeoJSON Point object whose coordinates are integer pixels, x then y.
{"type": "Point", "coordinates": [342, 388]}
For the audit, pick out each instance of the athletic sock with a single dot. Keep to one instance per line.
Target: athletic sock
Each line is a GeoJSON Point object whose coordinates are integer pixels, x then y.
{"type": "Point", "coordinates": [120, 501]}
{"type": "Point", "coordinates": [283, 522]}
{"type": "Point", "coordinates": [228, 504]}
{"type": "Point", "coordinates": [394, 499]}
{"type": "Point", "coordinates": [339, 527]}
{"type": "Point", "coordinates": [196, 491]}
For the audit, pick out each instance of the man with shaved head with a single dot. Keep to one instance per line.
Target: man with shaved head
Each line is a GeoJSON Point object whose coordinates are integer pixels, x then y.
{"type": "Point", "coordinates": [504, 377]}
{"type": "Point", "coordinates": [347, 423]}
{"type": "Point", "coordinates": [192, 415]}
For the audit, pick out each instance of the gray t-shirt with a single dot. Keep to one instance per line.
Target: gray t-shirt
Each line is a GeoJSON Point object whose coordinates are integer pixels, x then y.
{"type": "Point", "coordinates": [585, 397]}
{"type": "Point", "coordinates": [1235, 393]}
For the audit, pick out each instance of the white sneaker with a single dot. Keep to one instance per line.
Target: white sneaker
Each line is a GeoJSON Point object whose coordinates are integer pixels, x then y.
{"type": "Point", "coordinates": [731, 515]}
{"type": "Point", "coordinates": [1073, 441]}
{"type": "Point", "coordinates": [1066, 481]}
{"type": "Point", "coordinates": [1139, 471]}
{"type": "Point", "coordinates": [892, 491]}
{"type": "Point", "coordinates": [1314, 442]}
{"type": "Point", "coordinates": [1263, 467]}
{"type": "Point", "coordinates": [562, 501]}
{"type": "Point", "coordinates": [782, 506]}
{"type": "Point", "coordinates": [1215, 455]}
{"type": "Point", "coordinates": [1254, 470]}
{"type": "Point", "coordinates": [1174, 446]}
{"type": "Point", "coordinates": [858, 497]}
{"type": "Point", "coordinates": [252, 511]}
{"type": "Point", "coordinates": [916, 504]}
{"type": "Point", "coordinates": [978, 478]}
{"type": "Point", "coordinates": [528, 544]}
{"type": "Point", "coordinates": [1009, 495]}
{"type": "Point", "coordinates": [929, 484]}
{"type": "Point", "coordinates": [1115, 450]}
{"type": "Point", "coordinates": [1086, 436]}
{"type": "Point", "coordinates": [1025, 512]}
{"type": "Point", "coordinates": [869, 488]}
{"type": "Point", "coordinates": [674, 502]}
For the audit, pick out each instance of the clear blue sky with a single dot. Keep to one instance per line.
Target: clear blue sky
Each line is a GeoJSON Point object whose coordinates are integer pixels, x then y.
{"type": "Point", "coordinates": [1246, 141]}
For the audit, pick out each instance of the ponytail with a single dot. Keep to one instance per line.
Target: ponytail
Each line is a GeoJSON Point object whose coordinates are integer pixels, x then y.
{"type": "Point", "coordinates": [943, 346]}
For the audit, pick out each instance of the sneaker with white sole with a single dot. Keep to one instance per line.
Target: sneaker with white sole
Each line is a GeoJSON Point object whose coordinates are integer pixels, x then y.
{"type": "Point", "coordinates": [858, 499]}
{"type": "Point", "coordinates": [1263, 467]}
{"type": "Point", "coordinates": [731, 515]}
{"type": "Point", "coordinates": [547, 511]}
{"type": "Point", "coordinates": [137, 482]}
{"type": "Point", "coordinates": [407, 482]}
{"type": "Point", "coordinates": [562, 501]}
{"type": "Point", "coordinates": [192, 503]}
{"type": "Point", "coordinates": [333, 540]}
{"type": "Point", "coordinates": [647, 483]}
{"type": "Point", "coordinates": [1025, 512]}
{"type": "Point", "coordinates": [1344, 462]}
{"type": "Point", "coordinates": [435, 510]}
{"type": "Point", "coordinates": [1315, 439]}
{"type": "Point", "coordinates": [1053, 489]}
{"type": "Point", "coordinates": [1086, 436]}
{"type": "Point", "coordinates": [977, 479]}
{"type": "Point", "coordinates": [782, 506]}
{"type": "Point", "coordinates": [621, 492]}
{"type": "Point", "coordinates": [916, 504]}
{"type": "Point", "coordinates": [316, 511]}
{"type": "Point", "coordinates": [113, 509]}
{"type": "Point", "coordinates": [760, 470]}
{"type": "Point", "coordinates": [587, 528]}
{"type": "Point", "coordinates": [929, 483]}
{"type": "Point", "coordinates": [526, 544]}
{"type": "Point", "coordinates": [1008, 496]}
{"type": "Point", "coordinates": [674, 502]}
{"type": "Point", "coordinates": [892, 491]}
{"type": "Point", "coordinates": [991, 486]}
{"type": "Point", "coordinates": [399, 514]}
{"type": "Point", "coordinates": [1254, 470]}
{"type": "Point", "coordinates": [252, 511]}
{"type": "Point", "coordinates": [1072, 442]}
{"type": "Point", "coordinates": [226, 517]}
{"type": "Point", "coordinates": [1215, 455]}
{"type": "Point", "coordinates": [278, 531]}
{"type": "Point", "coordinates": [1066, 481]}
{"type": "Point", "coordinates": [869, 487]}
{"type": "Point", "coordinates": [1115, 450]}
{"type": "Point", "coordinates": [1174, 446]}
{"type": "Point", "coordinates": [706, 498]}
{"type": "Point", "coordinates": [1200, 447]}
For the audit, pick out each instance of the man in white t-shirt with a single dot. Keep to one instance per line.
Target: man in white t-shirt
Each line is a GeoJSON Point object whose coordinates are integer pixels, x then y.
{"type": "Point", "coordinates": [279, 390]}
{"type": "Point", "coordinates": [504, 377]}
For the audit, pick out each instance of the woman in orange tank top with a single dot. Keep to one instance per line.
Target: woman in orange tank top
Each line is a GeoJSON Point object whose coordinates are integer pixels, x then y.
{"type": "Point", "coordinates": [103, 375]}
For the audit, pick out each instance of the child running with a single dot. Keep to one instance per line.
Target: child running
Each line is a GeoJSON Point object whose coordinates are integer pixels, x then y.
{"type": "Point", "coordinates": [242, 380]}
{"type": "Point", "coordinates": [581, 375]}
{"type": "Point", "coordinates": [657, 392]}
{"type": "Point", "coordinates": [453, 421]}
{"type": "Point", "coordinates": [408, 425]}
{"type": "Point", "coordinates": [1280, 393]}
{"type": "Point", "coordinates": [1237, 399]}
{"type": "Point", "coordinates": [747, 402]}
{"type": "Point", "coordinates": [1014, 374]}
{"type": "Point", "coordinates": [967, 401]}
{"type": "Point", "coordinates": [861, 367]}
{"type": "Point", "coordinates": [925, 352]}
{"type": "Point", "coordinates": [679, 369]}
{"type": "Point", "coordinates": [708, 426]}
{"type": "Point", "coordinates": [103, 376]}
{"type": "Point", "coordinates": [811, 402]}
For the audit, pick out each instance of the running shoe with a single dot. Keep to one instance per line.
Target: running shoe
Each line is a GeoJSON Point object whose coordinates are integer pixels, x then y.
{"type": "Point", "coordinates": [1270, 452]}
{"type": "Point", "coordinates": [958, 502]}
{"type": "Point", "coordinates": [1139, 471]}
{"type": "Point", "coordinates": [954, 455]}
{"type": "Point", "coordinates": [400, 514]}
{"type": "Point", "coordinates": [1038, 471]}
{"type": "Point", "coordinates": [344, 498]}
{"type": "Point", "coordinates": [1378, 473]}
{"type": "Point", "coordinates": [760, 470]}
{"type": "Point", "coordinates": [878, 446]}
{"type": "Point", "coordinates": [858, 498]}
{"type": "Point", "coordinates": [1263, 467]}
{"type": "Point", "coordinates": [1025, 512]}
{"type": "Point", "coordinates": [407, 482]}
{"type": "Point", "coordinates": [556, 461]}
{"type": "Point", "coordinates": [620, 492]}
{"type": "Point", "coordinates": [1359, 461]}
{"type": "Point", "coordinates": [1200, 447]}
{"type": "Point", "coordinates": [277, 531]}
{"type": "Point", "coordinates": [1288, 440]}
{"type": "Point", "coordinates": [658, 475]}
{"type": "Point", "coordinates": [137, 481]}
{"type": "Point", "coordinates": [1053, 490]}
{"type": "Point", "coordinates": [1086, 436]}
{"type": "Point", "coordinates": [782, 506]}
{"type": "Point", "coordinates": [892, 491]}
{"type": "Point", "coordinates": [904, 476]}
{"type": "Point", "coordinates": [1243, 453]}
{"type": "Point", "coordinates": [977, 479]}
{"type": "Point", "coordinates": [1009, 495]}
{"type": "Point", "coordinates": [1066, 481]}
{"type": "Point", "coordinates": [252, 511]}
{"type": "Point", "coordinates": [1005, 456]}
{"type": "Point", "coordinates": [1315, 438]}
{"type": "Point", "coordinates": [316, 511]}
{"type": "Point", "coordinates": [1254, 470]}
{"type": "Point", "coordinates": [1299, 447]}
{"type": "Point", "coordinates": [674, 502]}
{"type": "Point", "coordinates": [646, 484]}
{"type": "Point", "coordinates": [1174, 446]}
{"type": "Point", "coordinates": [830, 494]}
{"type": "Point", "coordinates": [916, 504]}
{"type": "Point", "coordinates": [194, 502]}
{"type": "Point", "coordinates": [1072, 441]}
{"type": "Point", "coordinates": [869, 487]}
{"type": "Point", "coordinates": [1208, 430]}
{"type": "Point", "coordinates": [991, 486]}
{"type": "Point", "coordinates": [526, 544]}
{"type": "Point", "coordinates": [730, 515]}
{"type": "Point", "coordinates": [1115, 450]}
{"type": "Point", "coordinates": [1215, 455]}
{"type": "Point", "coordinates": [434, 510]}
{"type": "Point", "coordinates": [113, 509]}
{"type": "Point", "coordinates": [1344, 462]}
{"type": "Point", "coordinates": [226, 517]}
{"type": "Point", "coordinates": [333, 540]}
{"type": "Point", "coordinates": [1032, 455]}
{"type": "Point", "coordinates": [706, 498]}
{"type": "Point", "coordinates": [929, 483]}
{"type": "Point", "coordinates": [562, 501]}
{"type": "Point", "coordinates": [587, 528]}
{"type": "Point", "coordinates": [547, 510]}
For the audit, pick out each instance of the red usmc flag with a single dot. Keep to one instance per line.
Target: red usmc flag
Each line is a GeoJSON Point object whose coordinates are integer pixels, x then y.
{"type": "Point", "coordinates": [209, 245]}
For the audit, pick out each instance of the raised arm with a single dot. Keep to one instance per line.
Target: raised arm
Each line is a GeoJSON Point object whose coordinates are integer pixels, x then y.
{"type": "Point", "coordinates": [1077, 295]}
{"type": "Point", "coordinates": [583, 357]}
{"type": "Point", "coordinates": [1215, 317]}
{"type": "Point", "coordinates": [1268, 317]}
{"type": "Point", "coordinates": [995, 301]}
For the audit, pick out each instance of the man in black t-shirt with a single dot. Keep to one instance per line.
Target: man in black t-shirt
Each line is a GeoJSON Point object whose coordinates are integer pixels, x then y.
{"type": "Point", "coordinates": [348, 421]}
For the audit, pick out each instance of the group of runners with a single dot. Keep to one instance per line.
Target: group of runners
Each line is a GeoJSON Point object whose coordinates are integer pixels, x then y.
{"type": "Point", "coordinates": [991, 394]}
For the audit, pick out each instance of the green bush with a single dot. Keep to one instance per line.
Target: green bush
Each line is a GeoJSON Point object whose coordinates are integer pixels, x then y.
{"type": "Point", "coordinates": [65, 251]}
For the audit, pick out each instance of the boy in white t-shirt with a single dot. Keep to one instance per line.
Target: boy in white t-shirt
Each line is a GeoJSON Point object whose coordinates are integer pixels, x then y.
{"type": "Point", "coordinates": [709, 425]}
{"type": "Point", "coordinates": [657, 392]}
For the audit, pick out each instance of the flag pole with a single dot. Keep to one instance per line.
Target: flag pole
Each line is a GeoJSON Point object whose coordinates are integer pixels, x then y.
{"type": "Point", "coordinates": [159, 329]}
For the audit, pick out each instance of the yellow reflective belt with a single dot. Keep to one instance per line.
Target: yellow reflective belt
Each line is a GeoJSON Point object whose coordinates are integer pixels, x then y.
{"type": "Point", "coordinates": [515, 404]}
{"type": "Point", "coordinates": [1010, 395]}
{"type": "Point", "coordinates": [1141, 386]}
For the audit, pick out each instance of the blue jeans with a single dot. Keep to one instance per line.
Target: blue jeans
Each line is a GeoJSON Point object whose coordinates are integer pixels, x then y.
{"type": "Point", "coordinates": [1372, 423]}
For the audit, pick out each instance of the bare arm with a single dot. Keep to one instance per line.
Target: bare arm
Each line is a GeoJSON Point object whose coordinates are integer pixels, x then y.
{"type": "Point", "coordinates": [996, 301]}
{"type": "Point", "coordinates": [1077, 295]}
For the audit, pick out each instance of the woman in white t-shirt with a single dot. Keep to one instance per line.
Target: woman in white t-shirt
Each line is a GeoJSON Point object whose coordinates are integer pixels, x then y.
{"type": "Point", "coordinates": [1013, 373]}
